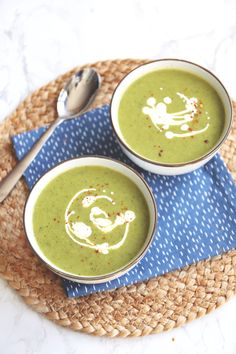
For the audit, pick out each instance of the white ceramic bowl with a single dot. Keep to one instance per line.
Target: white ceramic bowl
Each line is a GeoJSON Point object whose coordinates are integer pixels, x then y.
{"type": "Point", "coordinates": [170, 168]}
{"type": "Point", "coordinates": [79, 162]}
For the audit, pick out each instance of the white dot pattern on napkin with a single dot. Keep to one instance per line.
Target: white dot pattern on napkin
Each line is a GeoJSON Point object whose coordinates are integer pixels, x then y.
{"type": "Point", "coordinates": [196, 211]}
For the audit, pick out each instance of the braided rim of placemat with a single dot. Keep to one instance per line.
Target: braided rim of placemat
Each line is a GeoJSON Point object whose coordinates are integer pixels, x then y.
{"type": "Point", "coordinates": [154, 306]}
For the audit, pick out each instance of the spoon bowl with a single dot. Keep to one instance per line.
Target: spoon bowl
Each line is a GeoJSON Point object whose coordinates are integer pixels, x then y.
{"type": "Point", "coordinates": [78, 93]}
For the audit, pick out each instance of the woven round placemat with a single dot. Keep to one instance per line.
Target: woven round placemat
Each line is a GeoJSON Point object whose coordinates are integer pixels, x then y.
{"type": "Point", "coordinates": [160, 304]}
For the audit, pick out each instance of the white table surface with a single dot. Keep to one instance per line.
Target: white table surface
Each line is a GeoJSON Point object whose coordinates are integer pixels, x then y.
{"type": "Point", "coordinates": [42, 39]}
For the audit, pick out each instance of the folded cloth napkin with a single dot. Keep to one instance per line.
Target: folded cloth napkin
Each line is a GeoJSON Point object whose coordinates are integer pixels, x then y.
{"type": "Point", "coordinates": [196, 211]}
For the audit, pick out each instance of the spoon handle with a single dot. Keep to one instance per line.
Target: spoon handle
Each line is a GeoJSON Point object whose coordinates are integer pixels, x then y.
{"type": "Point", "coordinates": [7, 184]}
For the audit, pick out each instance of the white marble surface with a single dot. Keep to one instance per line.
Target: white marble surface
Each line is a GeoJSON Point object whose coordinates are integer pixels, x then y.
{"type": "Point", "coordinates": [41, 39]}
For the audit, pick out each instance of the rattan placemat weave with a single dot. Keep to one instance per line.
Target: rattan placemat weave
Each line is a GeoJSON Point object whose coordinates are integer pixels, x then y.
{"type": "Point", "coordinates": [160, 304]}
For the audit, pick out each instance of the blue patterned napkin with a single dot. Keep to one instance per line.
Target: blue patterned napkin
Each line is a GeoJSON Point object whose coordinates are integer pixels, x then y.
{"type": "Point", "coordinates": [197, 211]}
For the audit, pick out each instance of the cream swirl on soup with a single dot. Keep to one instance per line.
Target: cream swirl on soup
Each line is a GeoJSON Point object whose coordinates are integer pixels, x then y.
{"type": "Point", "coordinates": [79, 231]}
{"type": "Point", "coordinates": [163, 120]}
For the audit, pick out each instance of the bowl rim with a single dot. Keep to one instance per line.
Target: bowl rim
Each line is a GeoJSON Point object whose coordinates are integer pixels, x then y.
{"type": "Point", "coordinates": [206, 156]}
{"type": "Point", "coordinates": [108, 276]}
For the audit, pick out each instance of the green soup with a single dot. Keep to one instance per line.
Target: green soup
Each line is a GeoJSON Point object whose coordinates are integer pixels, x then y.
{"type": "Point", "coordinates": [91, 220]}
{"type": "Point", "coordinates": [171, 116]}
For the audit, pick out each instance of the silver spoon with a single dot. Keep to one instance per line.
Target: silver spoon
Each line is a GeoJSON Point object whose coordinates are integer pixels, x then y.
{"type": "Point", "coordinates": [73, 100]}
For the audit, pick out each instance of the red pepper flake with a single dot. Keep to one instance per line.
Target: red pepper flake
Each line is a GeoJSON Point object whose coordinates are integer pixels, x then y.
{"type": "Point", "coordinates": [206, 141]}
{"type": "Point", "coordinates": [190, 129]}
